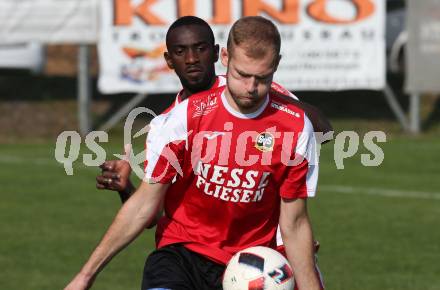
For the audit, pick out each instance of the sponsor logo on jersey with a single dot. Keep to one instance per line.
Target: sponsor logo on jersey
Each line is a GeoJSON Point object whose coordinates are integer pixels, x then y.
{"type": "Point", "coordinates": [236, 185]}
{"type": "Point", "coordinates": [284, 109]}
{"type": "Point", "coordinates": [264, 142]}
{"type": "Point", "coordinates": [205, 106]}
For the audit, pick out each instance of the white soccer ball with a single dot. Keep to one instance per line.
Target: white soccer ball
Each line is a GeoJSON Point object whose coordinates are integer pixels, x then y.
{"type": "Point", "coordinates": [258, 268]}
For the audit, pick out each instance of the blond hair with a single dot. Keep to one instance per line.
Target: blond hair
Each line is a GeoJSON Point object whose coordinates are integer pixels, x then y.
{"type": "Point", "coordinates": [256, 35]}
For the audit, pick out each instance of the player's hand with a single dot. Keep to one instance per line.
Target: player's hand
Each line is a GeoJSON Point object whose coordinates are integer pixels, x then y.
{"type": "Point", "coordinates": [115, 174]}
{"type": "Point", "coordinates": [80, 282]}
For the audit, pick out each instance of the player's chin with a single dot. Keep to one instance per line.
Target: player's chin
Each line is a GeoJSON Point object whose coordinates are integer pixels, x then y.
{"type": "Point", "coordinates": [197, 84]}
{"type": "Point", "coordinates": [246, 102]}
{"type": "Point", "coordinates": [195, 77]}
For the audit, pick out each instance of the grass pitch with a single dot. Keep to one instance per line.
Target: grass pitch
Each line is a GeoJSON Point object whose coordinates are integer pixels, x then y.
{"type": "Point", "coordinates": [378, 226]}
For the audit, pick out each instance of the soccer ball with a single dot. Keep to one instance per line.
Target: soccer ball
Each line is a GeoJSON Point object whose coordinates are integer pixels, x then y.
{"type": "Point", "coordinates": [258, 268]}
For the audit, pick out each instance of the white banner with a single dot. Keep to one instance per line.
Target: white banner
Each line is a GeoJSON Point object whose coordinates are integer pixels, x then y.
{"type": "Point", "coordinates": [22, 56]}
{"type": "Point", "coordinates": [49, 21]}
{"type": "Point", "coordinates": [326, 45]}
{"type": "Point", "coordinates": [423, 49]}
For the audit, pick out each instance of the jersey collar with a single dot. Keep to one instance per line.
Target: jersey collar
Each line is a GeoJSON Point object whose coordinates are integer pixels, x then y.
{"type": "Point", "coordinates": [240, 115]}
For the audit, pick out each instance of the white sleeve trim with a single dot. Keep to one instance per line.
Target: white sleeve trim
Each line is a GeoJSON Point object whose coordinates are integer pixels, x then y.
{"type": "Point", "coordinates": [307, 147]}
{"type": "Point", "coordinates": [293, 96]}
{"type": "Point", "coordinates": [164, 129]}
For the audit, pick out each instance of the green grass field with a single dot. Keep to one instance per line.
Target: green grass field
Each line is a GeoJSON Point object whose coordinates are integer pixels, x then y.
{"type": "Point", "coordinates": [377, 228]}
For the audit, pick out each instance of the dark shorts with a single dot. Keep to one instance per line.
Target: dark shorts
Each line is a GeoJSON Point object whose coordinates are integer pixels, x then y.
{"type": "Point", "coordinates": [175, 267]}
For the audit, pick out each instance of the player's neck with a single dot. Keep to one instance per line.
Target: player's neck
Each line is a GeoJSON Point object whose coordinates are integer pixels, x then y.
{"type": "Point", "coordinates": [187, 92]}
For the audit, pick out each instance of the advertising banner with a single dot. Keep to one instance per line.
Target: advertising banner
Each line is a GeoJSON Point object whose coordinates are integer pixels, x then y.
{"type": "Point", "coordinates": [423, 50]}
{"type": "Point", "coordinates": [29, 56]}
{"type": "Point", "coordinates": [49, 21]}
{"type": "Point", "coordinates": [326, 45]}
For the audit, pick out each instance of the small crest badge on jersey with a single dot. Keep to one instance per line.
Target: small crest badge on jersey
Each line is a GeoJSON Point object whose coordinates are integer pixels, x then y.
{"type": "Point", "coordinates": [265, 142]}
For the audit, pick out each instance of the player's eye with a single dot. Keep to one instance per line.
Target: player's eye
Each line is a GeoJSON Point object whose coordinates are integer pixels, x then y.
{"type": "Point", "coordinates": [243, 75]}
{"type": "Point", "coordinates": [201, 48]}
{"type": "Point", "coordinates": [262, 79]}
{"type": "Point", "coordinates": [179, 51]}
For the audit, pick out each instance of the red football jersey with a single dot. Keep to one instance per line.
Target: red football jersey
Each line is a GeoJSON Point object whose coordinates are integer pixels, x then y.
{"type": "Point", "coordinates": [229, 170]}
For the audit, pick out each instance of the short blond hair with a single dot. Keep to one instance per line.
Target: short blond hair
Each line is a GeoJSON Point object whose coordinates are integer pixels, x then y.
{"type": "Point", "coordinates": [257, 35]}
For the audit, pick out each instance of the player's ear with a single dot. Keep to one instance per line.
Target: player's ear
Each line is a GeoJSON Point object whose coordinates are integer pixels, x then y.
{"type": "Point", "coordinates": [216, 52]}
{"type": "Point", "coordinates": [168, 60]}
{"type": "Point", "coordinates": [224, 56]}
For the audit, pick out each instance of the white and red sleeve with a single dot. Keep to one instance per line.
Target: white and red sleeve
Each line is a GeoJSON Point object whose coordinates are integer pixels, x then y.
{"type": "Point", "coordinates": [165, 145]}
{"type": "Point", "coordinates": [276, 87]}
{"type": "Point", "coordinates": [302, 178]}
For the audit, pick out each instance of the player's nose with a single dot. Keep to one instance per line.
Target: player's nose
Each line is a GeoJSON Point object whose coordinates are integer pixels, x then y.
{"type": "Point", "coordinates": [251, 85]}
{"type": "Point", "coordinates": [191, 56]}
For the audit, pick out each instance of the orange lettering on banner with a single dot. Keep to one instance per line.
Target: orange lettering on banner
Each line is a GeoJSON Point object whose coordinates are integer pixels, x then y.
{"type": "Point", "coordinates": [221, 12]}
{"type": "Point", "coordinates": [143, 11]}
{"type": "Point", "coordinates": [185, 8]}
{"type": "Point", "coordinates": [288, 14]}
{"type": "Point", "coordinates": [317, 10]}
{"type": "Point", "coordinates": [124, 13]}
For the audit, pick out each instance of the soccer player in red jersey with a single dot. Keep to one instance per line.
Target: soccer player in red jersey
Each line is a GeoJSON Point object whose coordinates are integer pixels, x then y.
{"type": "Point", "coordinates": [243, 159]}
{"type": "Point", "coordinates": [192, 54]}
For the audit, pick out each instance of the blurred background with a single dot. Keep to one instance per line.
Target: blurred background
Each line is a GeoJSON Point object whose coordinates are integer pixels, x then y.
{"type": "Point", "coordinates": [64, 66]}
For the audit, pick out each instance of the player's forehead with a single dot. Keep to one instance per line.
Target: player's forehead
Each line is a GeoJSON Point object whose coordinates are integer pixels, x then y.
{"type": "Point", "coordinates": [189, 35]}
{"type": "Point", "coordinates": [261, 67]}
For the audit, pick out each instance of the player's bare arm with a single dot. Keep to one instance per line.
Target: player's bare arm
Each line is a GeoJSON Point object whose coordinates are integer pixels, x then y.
{"type": "Point", "coordinates": [297, 235]}
{"type": "Point", "coordinates": [138, 212]}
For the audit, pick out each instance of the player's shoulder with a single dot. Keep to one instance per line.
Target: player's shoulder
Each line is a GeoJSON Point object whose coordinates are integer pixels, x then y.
{"type": "Point", "coordinates": [277, 89]}
{"type": "Point", "coordinates": [286, 104]}
{"type": "Point", "coordinates": [289, 113]}
{"type": "Point", "coordinates": [205, 98]}
{"type": "Point", "coordinates": [167, 110]}
{"type": "Point", "coordinates": [197, 105]}
{"type": "Point", "coordinates": [174, 114]}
